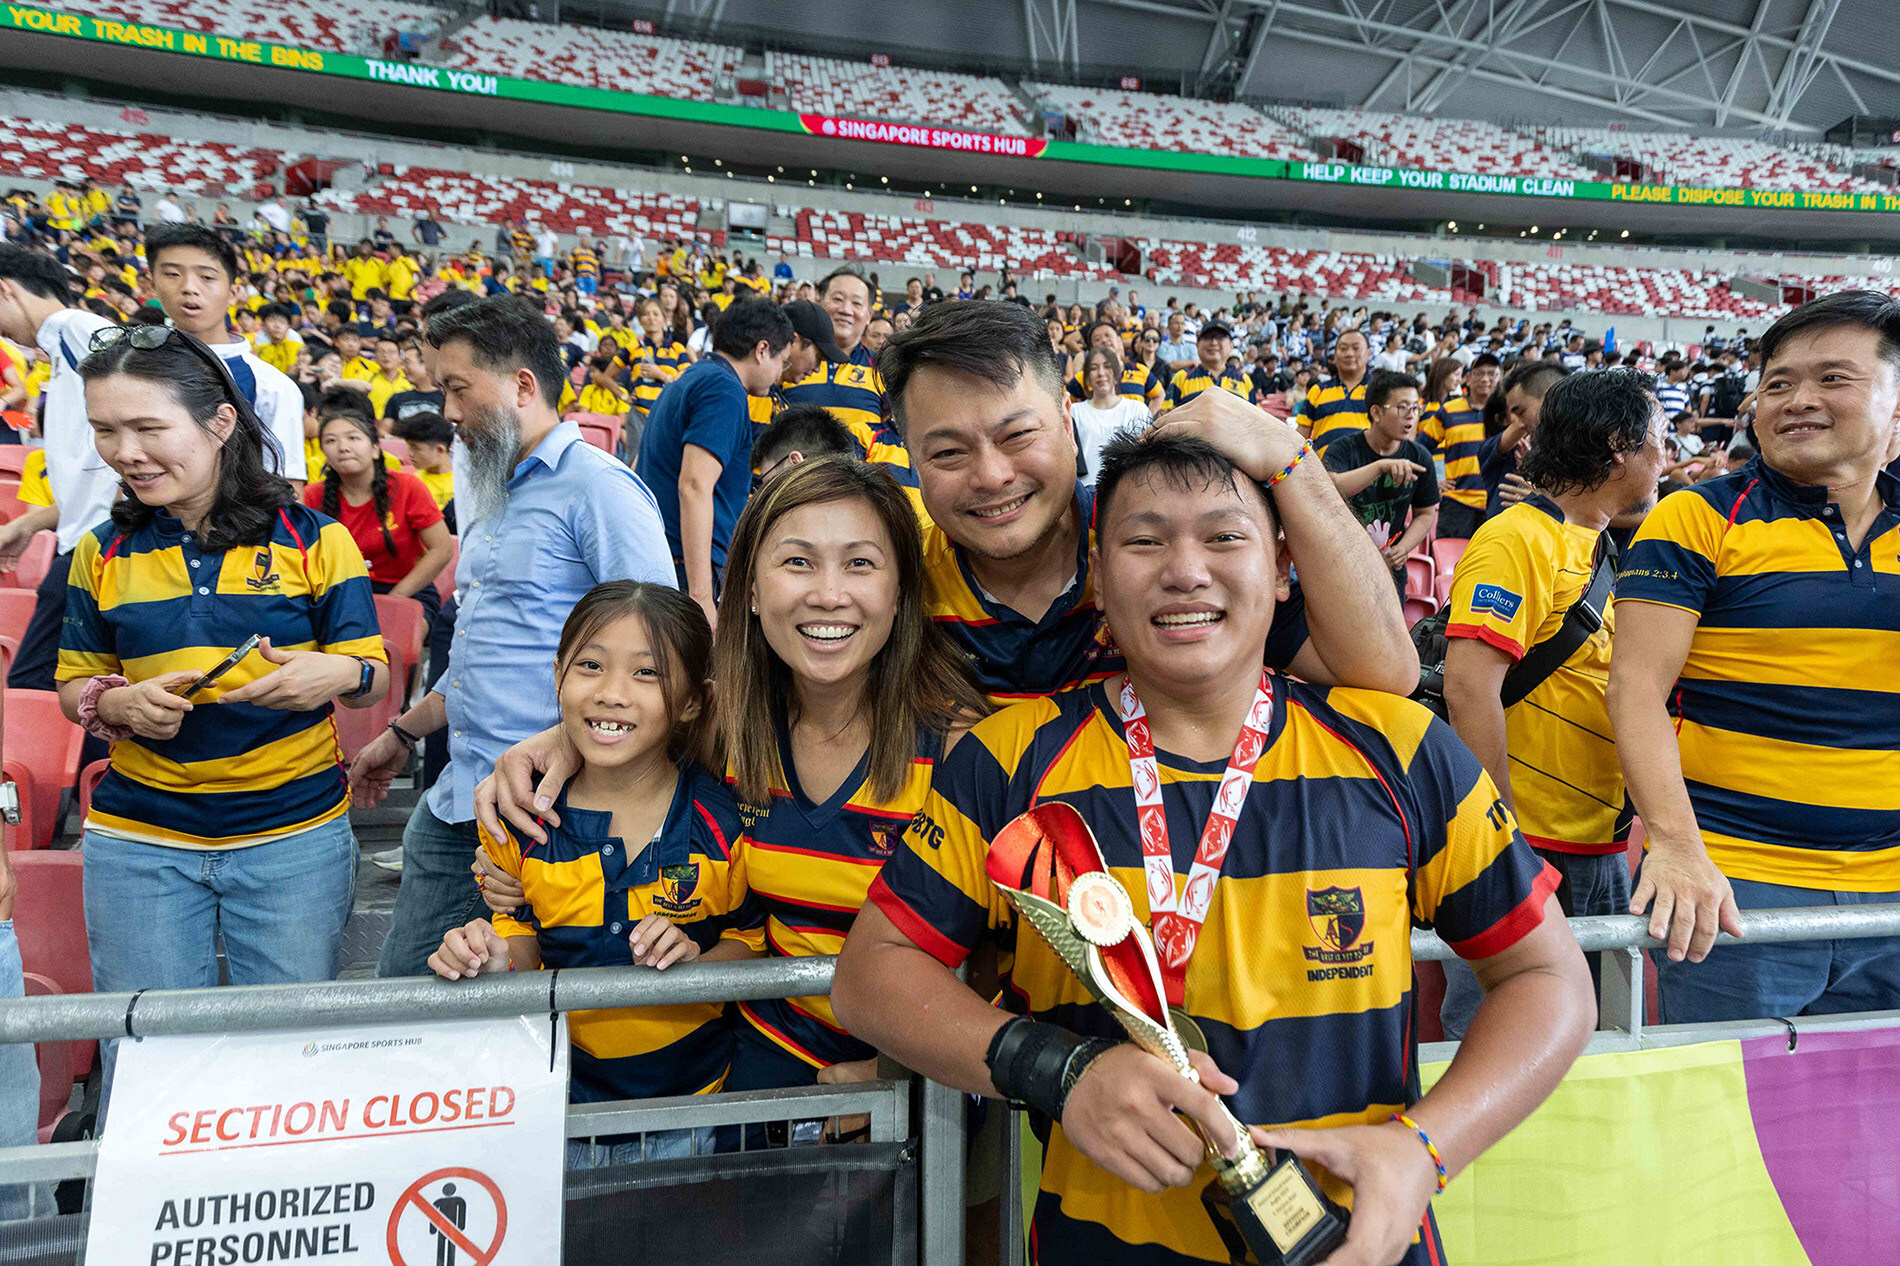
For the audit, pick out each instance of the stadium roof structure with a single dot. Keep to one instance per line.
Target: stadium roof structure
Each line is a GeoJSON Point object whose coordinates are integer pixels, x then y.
{"type": "Point", "coordinates": [1762, 65]}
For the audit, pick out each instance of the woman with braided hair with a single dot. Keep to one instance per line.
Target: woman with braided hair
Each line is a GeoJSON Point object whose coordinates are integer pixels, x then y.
{"type": "Point", "coordinates": [389, 513]}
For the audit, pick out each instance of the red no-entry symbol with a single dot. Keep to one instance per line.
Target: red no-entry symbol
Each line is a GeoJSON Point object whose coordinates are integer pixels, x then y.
{"type": "Point", "coordinates": [448, 1219]}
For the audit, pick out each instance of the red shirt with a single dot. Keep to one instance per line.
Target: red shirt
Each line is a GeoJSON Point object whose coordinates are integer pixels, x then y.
{"type": "Point", "coordinates": [411, 510]}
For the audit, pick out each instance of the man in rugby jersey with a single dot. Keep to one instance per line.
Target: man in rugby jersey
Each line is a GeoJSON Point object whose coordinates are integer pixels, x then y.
{"type": "Point", "coordinates": [1315, 884]}
{"type": "Point", "coordinates": [1752, 678]}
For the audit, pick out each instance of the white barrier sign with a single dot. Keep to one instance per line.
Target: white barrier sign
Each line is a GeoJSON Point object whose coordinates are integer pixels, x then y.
{"type": "Point", "coordinates": [437, 1144]}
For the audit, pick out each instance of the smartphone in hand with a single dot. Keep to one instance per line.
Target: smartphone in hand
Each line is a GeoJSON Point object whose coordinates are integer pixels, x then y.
{"type": "Point", "coordinates": [224, 666]}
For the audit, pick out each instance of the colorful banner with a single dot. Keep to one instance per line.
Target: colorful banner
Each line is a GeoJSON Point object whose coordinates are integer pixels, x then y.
{"type": "Point", "coordinates": [1720, 1152]}
{"type": "Point", "coordinates": [484, 84]}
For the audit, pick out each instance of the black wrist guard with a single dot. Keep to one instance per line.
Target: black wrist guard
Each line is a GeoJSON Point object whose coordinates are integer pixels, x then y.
{"type": "Point", "coordinates": [1037, 1064]}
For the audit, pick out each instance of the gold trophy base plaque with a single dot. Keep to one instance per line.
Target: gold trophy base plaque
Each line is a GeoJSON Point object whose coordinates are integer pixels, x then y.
{"type": "Point", "coordinates": [1282, 1219]}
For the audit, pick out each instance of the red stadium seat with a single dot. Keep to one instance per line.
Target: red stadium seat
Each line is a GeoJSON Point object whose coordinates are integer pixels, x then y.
{"type": "Point", "coordinates": [1418, 579]}
{"type": "Point", "coordinates": [89, 782]}
{"type": "Point", "coordinates": [22, 835]}
{"type": "Point", "coordinates": [1448, 550]}
{"type": "Point", "coordinates": [35, 559]}
{"type": "Point", "coordinates": [39, 737]}
{"type": "Point", "coordinates": [49, 916]}
{"type": "Point", "coordinates": [1441, 587]}
{"type": "Point", "coordinates": [1417, 609]}
{"type": "Point", "coordinates": [445, 579]}
{"type": "Point", "coordinates": [356, 727]}
{"type": "Point", "coordinates": [55, 1060]}
{"type": "Point", "coordinates": [10, 504]}
{"type": "Point", "coordinates": [397, 448]}
{"type": "Point", "coordinates": [13, 459]}
{"type": "Point", "coordinates": [16, 609]}
{"type": "Point", "coordinates": [405, 627]}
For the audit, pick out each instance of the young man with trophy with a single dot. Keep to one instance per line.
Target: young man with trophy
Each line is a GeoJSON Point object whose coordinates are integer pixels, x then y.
{"type": "Point", "coordinates": [1223, 865]}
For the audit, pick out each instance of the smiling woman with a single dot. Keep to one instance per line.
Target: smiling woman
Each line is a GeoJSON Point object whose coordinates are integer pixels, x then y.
{"type": "Point", "coordinates": [835, 697]}
{"type": "Point", "coordinates": [207, 546]}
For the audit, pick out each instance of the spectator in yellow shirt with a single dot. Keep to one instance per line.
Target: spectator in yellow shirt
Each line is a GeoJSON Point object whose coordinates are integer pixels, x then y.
{"type": "Point", "coordinates": [430, 437]}
{"type": "Point", "coordinates": [35, 488]}
{"type": "Point", "coordinates": [602, 394]}
{"type": "Point", "coordinates": [364, 271]}
{"type": "Point", "coordinates": [276, 343]}
{"type": "Point", "coordinates": [356, 367]}
{"type": "Point", "coordinates": [388, 378]}
{"type": "Point", "coordinates": [401, 273]}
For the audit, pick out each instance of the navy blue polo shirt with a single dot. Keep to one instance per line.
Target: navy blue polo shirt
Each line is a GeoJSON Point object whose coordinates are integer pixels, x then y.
{"type": "Point", "coordinates": [706, 405]}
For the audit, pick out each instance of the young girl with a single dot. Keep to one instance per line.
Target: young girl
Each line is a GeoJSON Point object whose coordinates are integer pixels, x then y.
{"type": "Point", "coordinates": [640, 868]}
{"type": "Point", "coordinates": [394, 520]}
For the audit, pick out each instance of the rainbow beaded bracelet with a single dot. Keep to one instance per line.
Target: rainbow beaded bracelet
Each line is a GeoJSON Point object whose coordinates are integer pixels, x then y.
{"type": "Point", "coordinates": [1306, 450]}
{"type": "Point", "coordinates": [1438, 1162]}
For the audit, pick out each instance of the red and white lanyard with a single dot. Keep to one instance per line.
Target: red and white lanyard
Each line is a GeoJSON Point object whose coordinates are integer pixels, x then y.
{"type": "Point", "coordinates": [1177, 925]}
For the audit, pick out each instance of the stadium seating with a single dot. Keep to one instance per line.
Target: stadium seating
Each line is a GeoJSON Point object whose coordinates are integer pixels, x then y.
{"type": "Point", "coordinates": [1721, 162]}
{"type": "Point", "coordinates": [334, 26]}
{"type": "Point", "coordinates": [1404, 140]}
{"type": "Point", "coordinates": [942, 244]}
{"type": "Point", "coordinates": [473, 199]}
{"type": "Point", "coordinates": [1229, 266]}
{"type": "Point", "coordinates": [592, 56]}
{"type": "Point", "coordinates": [46, 745]}
{"type": "Point", "coordinates": [1145, 120]}
{"type": "Point", "coordinates": [1555, 287]}
{"type": "Point", "coordinates": [821, 85]}
{"type": "Point", "coordinates": [70, 151]}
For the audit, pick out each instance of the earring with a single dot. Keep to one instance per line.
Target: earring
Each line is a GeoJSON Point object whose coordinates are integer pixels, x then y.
{"type": "Point", "coordinates": [755, 608]}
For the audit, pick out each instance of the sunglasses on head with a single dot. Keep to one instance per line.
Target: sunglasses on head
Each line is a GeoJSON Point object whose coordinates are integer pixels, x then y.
{"type": "Point", "coordinates": [146, 338]}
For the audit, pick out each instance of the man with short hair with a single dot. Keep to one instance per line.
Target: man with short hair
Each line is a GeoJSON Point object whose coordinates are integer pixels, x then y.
{"type": "Point", "coordinates": [1595, 454]}
{"type": "Point", "coordinates": [194, 271]}
{"type": "Point", "coordinates": [421, 396]}
{"type": "Point", "coordinates": [850, 386]}
{"type": "Point", "coordinates": [389, 379]}
{"type": "Point", "coordinates": [364, 270]}
{"type": "Point", "coordinates": [697, 446]}
{"type": "Point", "coordinates": [1177, 351]}
{"type": "Point", "coordinates": [545, 517]}
{"type": "Point", "coordinates": [1751, 675]}
{"type": "Point", "coordinates": [1385, 474]}
{"type": "Point", "coordinates": [1498, 455]}
{"type": "Point", "coordinates": [1187, 570]}
{"type": "Point", "coordinates": [1337, 407]}
{"type": "Point", "coordinates": [276, 344]}
{"type": "Point", "coordinates": [801, 433]}
{"type": "Point", "coordinates": [1213, 346]}
{"type": "Point", "coordinates": [35, 309]}
{"type": "Point", "coordinates": [1454, 430]}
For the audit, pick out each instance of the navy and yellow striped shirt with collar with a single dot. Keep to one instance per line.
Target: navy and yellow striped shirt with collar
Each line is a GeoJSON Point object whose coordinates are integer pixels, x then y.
{"type": "Point", "coordinates": [853, 392]}
{"type": "Point", "coordinates": [808, 866]}
{"type": "Point", "coordinates": [667, 354]}
{"type": "Point", "coordinates": [1015, 657]}
{"type": "Point", "coordinates": [1366, 815]}
{"type": "Point", "coordinates": [1189, 383]}
{"type": "Point", "coordinates": [1140, 383]}
{"type": "Point", "coordinates": [1455, 431]}
{"type": "Point", "coordinates": [1330, 411]}
{"type": "Point", "coordinates": [152, 602]}
{"type": "Point", "coordinates": [584, 262]}
{"type": "Point", "coordinates": [1788, 705]}
{"type": "Point", "coordinates": [583, 898]}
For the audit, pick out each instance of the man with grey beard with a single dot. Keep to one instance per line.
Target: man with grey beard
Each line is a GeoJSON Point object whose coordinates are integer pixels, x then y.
{"type": "Point", "coordinates": [545, 517]}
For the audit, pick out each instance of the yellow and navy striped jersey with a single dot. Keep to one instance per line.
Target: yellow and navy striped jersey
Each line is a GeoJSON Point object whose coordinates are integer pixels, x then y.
{"type": "Point", "coordinates": [1330, 411]}
{"type": "Point", "coordinates": [584, 262]}
{"type": "Point", "coordinates": [1015, 657]}
{"type": "Point", "coordinates": [1521, 573]}
{"type": "Point", "coordinates": [521, 242]}
{"type": "Point", "coordinates": [1788, 706]}
{"type": "Point", "coordinates": [1366, 814]}
{"type": "Point", "coordinates": [1189, 383]}
{"type": "Point", "coordinates": [1455, 431]}
{"type": "Point", "coordinates": [583, 896]}
{"type": "Point", "coordinates": [669, 357]}
{"type": "Point", "coordinates": [1140, 383]}
{"type": "Point", "coordinates": [854, 393]}
{"type": "Point", "coordinates": [153, 602]}
{"type": "Point", "coordinates": [808, 866]}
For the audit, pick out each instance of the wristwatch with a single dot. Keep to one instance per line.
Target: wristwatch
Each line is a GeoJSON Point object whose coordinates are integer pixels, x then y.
{"type": "Point", "coordinates": [367, 680]}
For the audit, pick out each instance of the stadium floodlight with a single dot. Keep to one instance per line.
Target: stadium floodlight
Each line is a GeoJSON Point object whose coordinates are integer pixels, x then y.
{"type": "Point", "coordinates": [771, 179]}
{"type": "Point", "coordinates": [1453, 225]}
{"type": "Point", "coordinates": [1481, 228]}
{"type": "Point", "coordinates": [719, 162]}
{"type": "Point", "coordinates": [1533, 228]}
{"type": "Point", "coordinates": [884, 179]}
{"type": "Point", "coordinates": [972, 188]}
{"type": "Point", "coordinates": [781, 171]}
{"type": "Point", "coordinates": [1626, 232]}
{"type": "Point", "coordinates": [1039, 196]}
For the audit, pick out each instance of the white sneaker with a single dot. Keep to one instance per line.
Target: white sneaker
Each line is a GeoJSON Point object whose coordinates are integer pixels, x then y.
{"type": "Point", "coordinates": [391, 859]}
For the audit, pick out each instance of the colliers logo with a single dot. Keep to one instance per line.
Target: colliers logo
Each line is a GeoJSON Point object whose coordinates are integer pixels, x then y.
{"type": "Point", "coordinates": [1338, 917]}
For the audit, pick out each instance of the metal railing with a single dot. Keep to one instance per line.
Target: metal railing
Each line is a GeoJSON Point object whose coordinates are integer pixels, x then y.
{"type": "Point", "coordinates": [1620, 938]}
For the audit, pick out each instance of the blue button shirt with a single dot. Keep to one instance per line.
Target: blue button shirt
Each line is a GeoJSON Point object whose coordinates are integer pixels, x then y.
{"type": "Point", "coordinates": [574, 517]}
{"type": "Point", "coordinates": [706, 406]}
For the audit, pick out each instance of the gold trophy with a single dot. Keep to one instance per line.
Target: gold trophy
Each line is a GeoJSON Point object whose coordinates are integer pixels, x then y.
{"type": "Point", "coordinates": [1048, 865]}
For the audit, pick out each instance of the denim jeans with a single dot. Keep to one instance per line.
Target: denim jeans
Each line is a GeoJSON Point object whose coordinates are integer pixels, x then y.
{"type": "Point", "coordinates": [19, 1093]}
{"type": "Point", "coordinates": [1749, 982]}
{"type": "Point", "coordinates": [154, 914]}
{"type": "Point", "coordinates": [1589, 883]}
{"type": "Point", "coordinates": [660, 1145]}
{"type": "Point", "coordinates": [437, 893]}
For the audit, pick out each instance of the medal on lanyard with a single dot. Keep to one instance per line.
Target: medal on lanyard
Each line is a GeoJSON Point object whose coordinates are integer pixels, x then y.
{"type": "Point", "coordinates": [1177, 921]}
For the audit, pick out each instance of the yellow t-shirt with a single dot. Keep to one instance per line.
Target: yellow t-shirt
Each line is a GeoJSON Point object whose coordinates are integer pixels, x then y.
{"type": "Point", "coordinates": [402, 278]}
{"type": "Point", "coordinates": [381, 388]}
{"type": "Point", "coordinates": [600, 400]}
{"type": "Point", "coordinates": [360, 368]}
{"type": "Point", "coordinates": [1522, 571]}
{"type": "Point", "coordinates": [35, 490]}
{"type": "Point", "coordinates": [441, 485]}
{"type": "Point", "coordinates": [363, 274]}
{"type": "Point", "coordinates": [279, 356]}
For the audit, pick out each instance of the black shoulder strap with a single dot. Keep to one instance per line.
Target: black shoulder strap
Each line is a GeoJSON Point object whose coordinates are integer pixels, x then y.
{"type": "Point", "coordinates": [1584, 617]}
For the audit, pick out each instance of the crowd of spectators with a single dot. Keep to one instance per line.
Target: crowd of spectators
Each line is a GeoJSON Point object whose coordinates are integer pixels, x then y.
{"type": "Point", "coordinates": [774, 602]}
